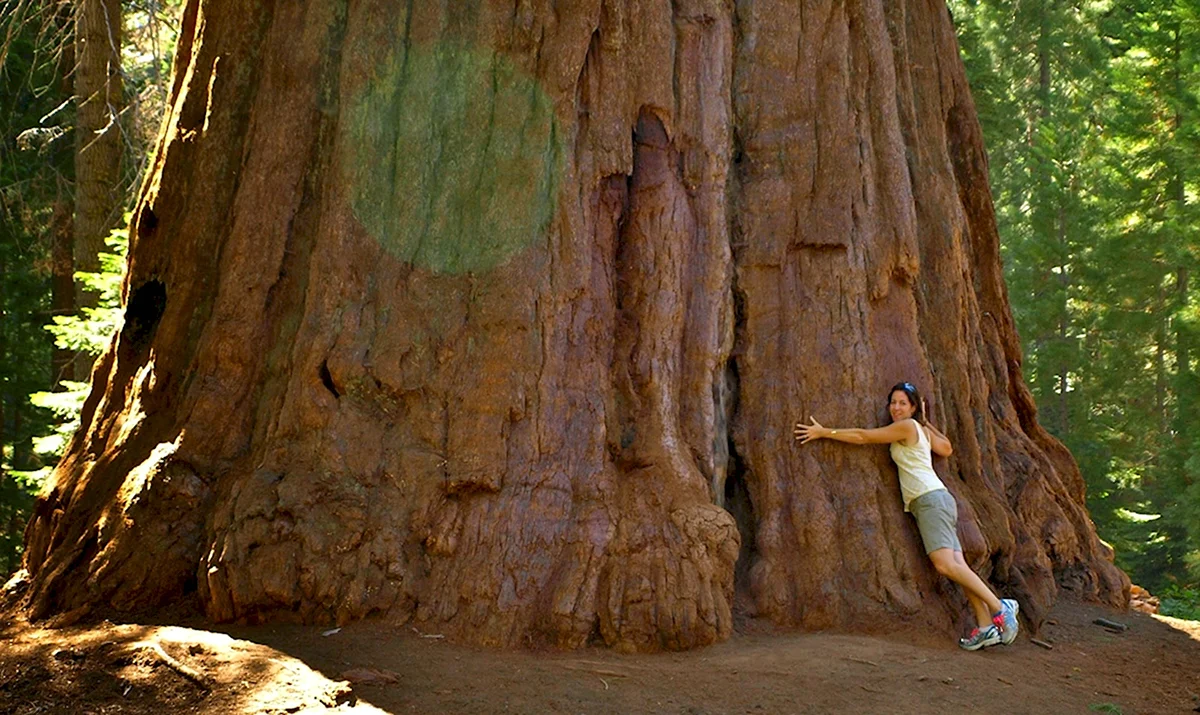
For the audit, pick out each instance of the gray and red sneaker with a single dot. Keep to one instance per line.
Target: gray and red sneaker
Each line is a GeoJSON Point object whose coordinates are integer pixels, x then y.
{"type": "Point", "coordinates": [1006, 620]}
{"type": "Point", "coordinates": [980, 638]}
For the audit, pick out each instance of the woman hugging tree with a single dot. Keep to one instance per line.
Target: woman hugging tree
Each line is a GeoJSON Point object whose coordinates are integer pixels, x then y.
{"type": "Point", "coordinates": [913, 440]}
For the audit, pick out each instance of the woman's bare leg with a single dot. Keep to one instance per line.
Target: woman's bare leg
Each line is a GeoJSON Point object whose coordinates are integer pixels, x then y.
{"type": "Point", "coordinates": [956, 570]}
{"type": "Point", "coordinates": [982, 617]}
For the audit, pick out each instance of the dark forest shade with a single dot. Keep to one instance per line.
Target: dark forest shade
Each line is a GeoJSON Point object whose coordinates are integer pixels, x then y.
{"type": "Point", "coordinates": [735, 218]}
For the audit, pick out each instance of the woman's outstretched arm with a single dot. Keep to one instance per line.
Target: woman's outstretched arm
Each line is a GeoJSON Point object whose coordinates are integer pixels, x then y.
{"type": "Point", "coordinates": [902, 431]}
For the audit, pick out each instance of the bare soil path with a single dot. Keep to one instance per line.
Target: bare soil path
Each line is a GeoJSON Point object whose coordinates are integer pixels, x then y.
{"type": "Point", "coordinates": [1153, 667]}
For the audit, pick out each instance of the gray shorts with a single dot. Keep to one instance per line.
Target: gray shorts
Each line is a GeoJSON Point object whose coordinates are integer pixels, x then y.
{"type": "Point", "coordinates": [937, 518]}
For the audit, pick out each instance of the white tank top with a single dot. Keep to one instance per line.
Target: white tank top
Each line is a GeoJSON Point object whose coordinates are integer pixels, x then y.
{"type": "Point", "coordinates": [915, 465]}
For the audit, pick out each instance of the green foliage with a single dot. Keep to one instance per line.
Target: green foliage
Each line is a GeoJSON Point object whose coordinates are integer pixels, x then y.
{"type": "Point", "coordinates": [1092, 119]}
{"type": "Point", "coordinates": [35, 169]}
{"type": "Point", "coordinates": [1180, 602]}
{"type": "Point", "coordinates": [89, 332]}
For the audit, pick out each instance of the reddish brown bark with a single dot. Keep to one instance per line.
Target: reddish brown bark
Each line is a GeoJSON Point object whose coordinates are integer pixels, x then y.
{"type": "Point", "coordinates": [479, 318]}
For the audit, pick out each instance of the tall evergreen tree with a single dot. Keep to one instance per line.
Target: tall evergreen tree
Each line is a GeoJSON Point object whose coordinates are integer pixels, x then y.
{"type": "Point", "coordinates": [1151, 185]}
{"type": "Point", "coordinates": [32, 155]}
{"type": "Point", "coordinates": [1089, 113]}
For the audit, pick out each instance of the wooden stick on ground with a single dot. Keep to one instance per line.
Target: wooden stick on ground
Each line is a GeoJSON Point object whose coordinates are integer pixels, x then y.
{"type": "Point", "coordinates": [1043, 644]}
{"type": "Point", "coordinates": [597, 671]}
{"type": "Point", "coordinates": [190, 673]}
{"type": "Point", "coordinates": [1110, 624]}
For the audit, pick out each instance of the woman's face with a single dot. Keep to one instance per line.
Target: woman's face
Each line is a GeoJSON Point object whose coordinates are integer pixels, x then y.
{"type": "Point", "coordinates": [899, 406]}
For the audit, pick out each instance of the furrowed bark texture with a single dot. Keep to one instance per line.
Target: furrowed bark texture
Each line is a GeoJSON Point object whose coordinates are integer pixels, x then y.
{"type": "Point", "coordinates": [498, 319]}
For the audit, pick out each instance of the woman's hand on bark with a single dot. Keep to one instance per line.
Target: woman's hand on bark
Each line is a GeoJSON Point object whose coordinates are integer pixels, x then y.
{"type": "Point", "coordinates": [807, 433]}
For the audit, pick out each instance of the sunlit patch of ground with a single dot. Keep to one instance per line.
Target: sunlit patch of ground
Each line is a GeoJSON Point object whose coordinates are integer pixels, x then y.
{"type": "Point", "coordinates": [1192, 628]}
{"type": "Point", "coordinates": [158, 669]}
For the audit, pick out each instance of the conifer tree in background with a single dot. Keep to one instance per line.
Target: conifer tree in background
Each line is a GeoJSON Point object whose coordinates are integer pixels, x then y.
{"type": "Point", "coordinates": [35, 166]}
{"type": "Point", "coordinates": [1148, 304]}
{"type": "Point", "coordinates": [1089, 112]}
{"type": "Point", "coordinates": [1037, 69]}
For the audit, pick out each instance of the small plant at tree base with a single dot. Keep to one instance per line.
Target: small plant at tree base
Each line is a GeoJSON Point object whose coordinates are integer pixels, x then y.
{"type": "Point", "coordinates": [1180, 602]}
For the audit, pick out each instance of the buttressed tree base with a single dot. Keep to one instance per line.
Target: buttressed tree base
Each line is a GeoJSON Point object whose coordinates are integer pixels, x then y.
{"type": "Point", "coordinates": [496, 318]}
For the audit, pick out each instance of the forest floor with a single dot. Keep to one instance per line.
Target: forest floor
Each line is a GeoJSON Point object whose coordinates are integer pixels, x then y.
{"type": "Point", "coordinates": [367, 667]}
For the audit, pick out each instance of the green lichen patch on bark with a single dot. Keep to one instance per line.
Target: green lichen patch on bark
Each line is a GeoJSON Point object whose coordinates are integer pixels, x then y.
{"type": "Point", "coordinates": [454, 158]}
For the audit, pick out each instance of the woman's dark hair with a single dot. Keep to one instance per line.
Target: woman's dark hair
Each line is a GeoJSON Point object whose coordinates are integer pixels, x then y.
{"type": "Point", "coordinates": [913, 396]}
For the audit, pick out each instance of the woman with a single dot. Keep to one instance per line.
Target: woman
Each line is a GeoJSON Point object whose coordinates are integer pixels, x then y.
{"type": "Point", "coordinates": [912, 439]}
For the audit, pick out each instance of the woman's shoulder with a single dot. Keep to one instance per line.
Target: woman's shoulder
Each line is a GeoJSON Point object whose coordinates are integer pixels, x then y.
{"type": "Point", "coordinates": [911, 432]}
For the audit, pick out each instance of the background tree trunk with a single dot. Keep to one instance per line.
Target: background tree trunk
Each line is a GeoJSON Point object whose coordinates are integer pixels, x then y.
{"type": "Point", "coordinates": [62, 217]}
{"type": "Point", "coordinates": [475, 317]}
{"type": "Point", "coordinates": [62, 297]}
{"type": "Point", "coordinates": [99, 102]}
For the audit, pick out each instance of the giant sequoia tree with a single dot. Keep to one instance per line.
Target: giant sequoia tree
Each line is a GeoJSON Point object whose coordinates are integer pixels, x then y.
{"type": "Point", "coordinates": [497, 317]}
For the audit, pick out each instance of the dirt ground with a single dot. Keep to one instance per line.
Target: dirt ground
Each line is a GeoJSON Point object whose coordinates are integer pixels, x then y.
{"type": "Point", "coordinates": [1153, 667]}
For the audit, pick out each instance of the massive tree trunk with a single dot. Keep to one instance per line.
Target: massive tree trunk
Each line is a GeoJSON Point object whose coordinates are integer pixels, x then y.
{"type": "Point", "coordinates": [481, 317]}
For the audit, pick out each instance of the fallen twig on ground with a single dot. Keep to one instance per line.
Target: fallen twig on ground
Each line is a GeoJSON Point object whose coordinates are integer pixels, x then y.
{"type": "Point", "coordinates": [171, 662]}
{"type": "Point", "coordinates": [597, 671]}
